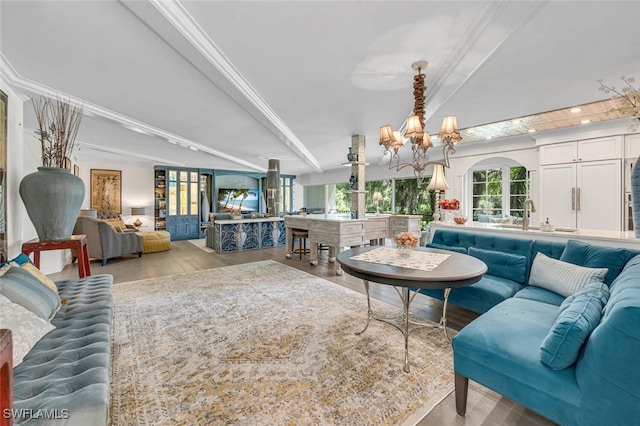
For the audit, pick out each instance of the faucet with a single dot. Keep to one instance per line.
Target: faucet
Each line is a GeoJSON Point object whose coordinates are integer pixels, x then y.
{"type": "Point", "coordinates": [525, 214]}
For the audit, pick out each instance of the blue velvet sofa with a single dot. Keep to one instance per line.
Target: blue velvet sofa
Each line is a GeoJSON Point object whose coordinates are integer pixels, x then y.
{"type": "Point", "coordinates": [570, 357]}
{"type": "Point", "coordinates": [66, 375]}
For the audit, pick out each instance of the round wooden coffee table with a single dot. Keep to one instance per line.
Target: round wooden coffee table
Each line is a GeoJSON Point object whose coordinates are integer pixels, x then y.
{"type": "Point", "coordinates": [457, 270]}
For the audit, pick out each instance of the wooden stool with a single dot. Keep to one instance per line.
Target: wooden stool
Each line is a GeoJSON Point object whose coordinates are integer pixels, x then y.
{"type": "Point", "coordinates": [301, 235]}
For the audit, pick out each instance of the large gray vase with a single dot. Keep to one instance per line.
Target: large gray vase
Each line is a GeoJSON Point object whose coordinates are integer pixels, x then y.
{"type": "Point", "coordinates": [52, 197]}
{"type": "Point", "coordinates": [635, 197]}
{"type": "Point", "coordinates": [204, 207]}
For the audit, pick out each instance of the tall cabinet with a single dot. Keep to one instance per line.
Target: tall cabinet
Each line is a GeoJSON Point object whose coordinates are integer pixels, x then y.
{"type": "Point", "coordinates": [581, 184]}
{"type": "Point", "coordinates": [181, 202]}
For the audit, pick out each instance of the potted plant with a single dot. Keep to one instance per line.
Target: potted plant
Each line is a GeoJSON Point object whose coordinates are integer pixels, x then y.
{"type": "Point", "coordinates": [53, 196]}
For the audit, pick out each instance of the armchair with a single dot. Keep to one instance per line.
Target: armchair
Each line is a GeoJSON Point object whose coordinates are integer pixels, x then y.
{"type": "Point", "coordinates": [104, 242]}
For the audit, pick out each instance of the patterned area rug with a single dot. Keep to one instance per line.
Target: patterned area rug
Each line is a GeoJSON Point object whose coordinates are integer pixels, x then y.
{"type": "Point", "coordinates": [264, 343]}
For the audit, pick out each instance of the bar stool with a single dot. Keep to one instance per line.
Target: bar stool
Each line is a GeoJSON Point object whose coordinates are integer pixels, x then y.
{"type": "Point", "coordinates": [301, 235]}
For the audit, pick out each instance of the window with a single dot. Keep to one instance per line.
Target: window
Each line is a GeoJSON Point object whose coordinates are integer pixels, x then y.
{"type": "Point", "coordinates": [500, 191]}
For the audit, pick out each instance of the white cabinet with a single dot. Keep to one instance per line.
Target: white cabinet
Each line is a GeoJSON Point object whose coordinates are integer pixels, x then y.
{"type": "Point", "coordinates": [402, 223]}
{"type": "Point", "coordinates": [585, 195]}
{"type": "Point", "coordinates": [584, 150]}
{"type": "Point", "coordinates": [632, 146]}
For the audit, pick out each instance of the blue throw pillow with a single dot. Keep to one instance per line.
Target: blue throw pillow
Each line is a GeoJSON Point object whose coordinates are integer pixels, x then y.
{"type": "Point", "coordinates": [22, 288]}
{"type": "Point", "coordinates": [578, 316]}
{"type": "Point", "coordinates": [504, 265]}
{"type": "Point", "coordinates": [445, 247]}
{"type": "Point", "coordinates": [20, 259]}
{"type": "Point", "coordinates": [593, 256]}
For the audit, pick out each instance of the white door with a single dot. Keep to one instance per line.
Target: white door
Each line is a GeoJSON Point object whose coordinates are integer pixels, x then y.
{"type": "Point", "coordinates": [557, 189]}
{"type": "Point", "coordinates": [599, 200]}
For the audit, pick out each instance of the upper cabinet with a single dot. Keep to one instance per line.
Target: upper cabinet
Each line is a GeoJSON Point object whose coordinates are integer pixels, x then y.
{"type": "Point", "coordinates": [585, 150]}
{"type": "Point", "coordinates": [632, 146]}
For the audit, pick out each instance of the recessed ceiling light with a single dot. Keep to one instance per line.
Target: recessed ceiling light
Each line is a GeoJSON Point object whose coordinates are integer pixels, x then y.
{"type": "Point", "coordinates": [585, 121]}
{"type": "Point", "coordinates": [193, 148]}
{"type": "Point", "coordinates": [574, 110]}
{"type": "Point", "coordinates": [532, 130]}
{"type": "Point", "coordinates": [172, 141]}
{"type": "Point", "coordinates": [489, 137]}
{"type": "Point", "coordinates": [516, 121]}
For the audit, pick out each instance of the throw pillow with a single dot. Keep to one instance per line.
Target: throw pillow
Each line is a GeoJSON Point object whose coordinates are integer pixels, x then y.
{"type": "Point", "coordinates": [115, 223]}
{"type": "Point", "coordinates": [501, 220]}
{"type": "Point", "coordinates": [37, 273]}
{"type": "Point", "coordinates": [578, 316]}
{"type": "Point", "coordinates": [594, 256]}
{"type": "Point", "coordinates": [22, 288]}
{"type": "Point", "coordinates": [504, 265]}
{"type": "Point", "coordinates": [26, 327]}
{"type": "Point", "coordinates": [562, 277]}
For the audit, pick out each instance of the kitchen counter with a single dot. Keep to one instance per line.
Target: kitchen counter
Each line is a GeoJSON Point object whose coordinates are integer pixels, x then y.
{"type": "Point", "coordinates": [625, 239]}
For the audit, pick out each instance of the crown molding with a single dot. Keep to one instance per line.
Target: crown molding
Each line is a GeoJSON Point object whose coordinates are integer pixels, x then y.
{"type": "Point", "coordinates": [178, 16]}
{"type": "Point", "coordinates": [9, 74]}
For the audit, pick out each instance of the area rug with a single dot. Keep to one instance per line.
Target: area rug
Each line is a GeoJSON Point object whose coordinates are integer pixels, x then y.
{"type": "Point", "coordinates": [201, 244]}
{"type": "Point", "coordinates": [264, 343]}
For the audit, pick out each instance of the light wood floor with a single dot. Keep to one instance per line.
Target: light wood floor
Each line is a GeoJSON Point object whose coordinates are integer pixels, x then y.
{"type": "Point", "coordinates": [485, 407]}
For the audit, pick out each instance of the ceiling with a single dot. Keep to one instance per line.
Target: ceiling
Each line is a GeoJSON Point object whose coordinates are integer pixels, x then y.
{"type": "Point", "coordinates": [228, 84]}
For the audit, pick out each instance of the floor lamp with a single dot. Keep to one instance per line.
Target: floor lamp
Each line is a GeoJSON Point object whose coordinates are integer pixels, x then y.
{"type": "Point", "coordinates": [437, 183]}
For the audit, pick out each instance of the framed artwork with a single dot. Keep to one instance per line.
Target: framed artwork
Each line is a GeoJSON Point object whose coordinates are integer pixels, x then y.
{"type": "Point", "coordinates": [76, 170]}
{"type": "Point", "coordinates": [67, 163]}
{"type": "Point", "coordinates": [106, 190]}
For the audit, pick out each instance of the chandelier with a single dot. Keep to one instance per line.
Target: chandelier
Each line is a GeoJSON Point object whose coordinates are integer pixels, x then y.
{"type": "Point", "coordinates": [414, 130]}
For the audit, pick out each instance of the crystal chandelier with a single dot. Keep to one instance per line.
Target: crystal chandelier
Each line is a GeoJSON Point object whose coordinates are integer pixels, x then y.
{"type": "Point", "coordinates": [414, 130]}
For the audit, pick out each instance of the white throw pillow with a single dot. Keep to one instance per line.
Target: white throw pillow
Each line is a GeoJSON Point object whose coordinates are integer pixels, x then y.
{"type": "Point", "coordinates": [562, 277]}
{"type": "Point", "coordinates": [26, 327]}
{"type": "Point", "coordinates": [501, 220]}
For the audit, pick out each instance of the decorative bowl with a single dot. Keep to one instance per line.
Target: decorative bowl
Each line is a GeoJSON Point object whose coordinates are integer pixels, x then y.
{"type": "Point", "coordinates": [459, 220]}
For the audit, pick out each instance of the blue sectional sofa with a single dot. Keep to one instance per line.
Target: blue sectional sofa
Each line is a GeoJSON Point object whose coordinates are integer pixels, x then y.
{"type": "Point", "coordinates": [571, 357]}
{"type": "Point", "coordinates": [64, 379]}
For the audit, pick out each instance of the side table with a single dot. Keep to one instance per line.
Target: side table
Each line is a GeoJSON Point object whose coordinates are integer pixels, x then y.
{"type": "Point", "coordinates": [75, 242]}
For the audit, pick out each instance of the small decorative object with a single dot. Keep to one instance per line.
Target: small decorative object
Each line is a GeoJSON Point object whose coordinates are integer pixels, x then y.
{"type": "Point", "coordinates": [405, 242]}
{"type": "Point", "coordinates": [354, 214]}
{"type": "Point", "coordinates": [353, 182]}
{"type": "Point", "coordinates": [254, 215]}
{"type": "Point", "coordinates": [53, 196]}
{"type": "Point", "coordinates": [205, 209]}
{"type": "Point", "coordinates": [137, 211]}
{"type": "Point", "coordinates": [236, 214]}
{"type": "Point", "coordinates": [460, 220]}
{"type": "Point", "coordinates": [351, 157]}
{"type": "Point", "coordinates": [547, 227]}
{"type": "Point", "coordinates": [450, 206]}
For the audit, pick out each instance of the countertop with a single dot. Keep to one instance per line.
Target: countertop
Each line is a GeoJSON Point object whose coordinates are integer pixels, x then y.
{"type": "Point", "coordinates": [595, 236]}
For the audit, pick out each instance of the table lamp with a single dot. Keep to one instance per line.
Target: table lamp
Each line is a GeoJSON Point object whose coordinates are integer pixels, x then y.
{"type": "Point", "coordinates": [377, 197]}
{"type": "Point", "coordinates": [137, 211]}
{"type": "Point", "coordinates": [438, 183]}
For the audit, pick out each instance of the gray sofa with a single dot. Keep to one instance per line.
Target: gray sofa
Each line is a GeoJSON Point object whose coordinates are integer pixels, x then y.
{"type": "Point", "coordinates": [67, 371]}
{"type": "Point", "coordinates": [104, 242]}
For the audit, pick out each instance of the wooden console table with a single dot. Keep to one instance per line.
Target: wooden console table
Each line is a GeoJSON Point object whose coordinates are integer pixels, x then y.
{"type": "Point", "coordinates": [75, 242]}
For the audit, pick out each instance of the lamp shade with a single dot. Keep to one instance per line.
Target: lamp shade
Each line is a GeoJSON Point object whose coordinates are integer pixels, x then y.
{"type": "Point", "coordinates": [137, 211]}
{"type": "Point", "coordinates": [450, 129]}
{"type": "Point", "coordinates": [386, 136]}
{"type": "Point", "coordinates": [377, 196]}
{"type": "Point", "coordinates": [438, 182]}
{"type": "Point", "coordinates": [414, 127]}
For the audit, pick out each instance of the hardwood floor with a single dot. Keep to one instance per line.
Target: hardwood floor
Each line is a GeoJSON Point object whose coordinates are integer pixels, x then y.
{"type": "Point", "coordinates": [485, 407]}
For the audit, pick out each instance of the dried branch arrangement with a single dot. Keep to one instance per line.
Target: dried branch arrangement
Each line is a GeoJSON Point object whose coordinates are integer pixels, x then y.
{"type": "Point", "coordinates": [58, 124]}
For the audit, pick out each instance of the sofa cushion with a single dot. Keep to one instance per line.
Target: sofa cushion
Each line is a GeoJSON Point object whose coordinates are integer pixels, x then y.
{"type": "Point", "coordinates": [540, 294]}
{"type": "Point", "coordinates": [445, 247]}
{"type": "Point", "coordinates": [481, 296]}
{"type": "Point", "coordinates": [26, 327]}
{"type": "Point", "coordinates": [117, 224]}
{"type": "Point", "coordinates": [594, 256]}
{"type": "Point", "coordinates": [503, 265]}
{"type": "Point", "coordinates": [562, 277]}
{"type": "Point", "coordinates": [579, 315]}
{"type": "Point", "coordinates": [22, 288]}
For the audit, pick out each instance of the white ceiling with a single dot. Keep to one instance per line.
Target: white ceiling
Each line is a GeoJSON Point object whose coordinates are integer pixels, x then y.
{"type": "Point", "coordinates": [243, 81]}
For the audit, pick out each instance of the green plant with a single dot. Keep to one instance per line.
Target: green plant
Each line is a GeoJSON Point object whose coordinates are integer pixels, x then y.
{"type": "Point", "coordinates": [58, 124]}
